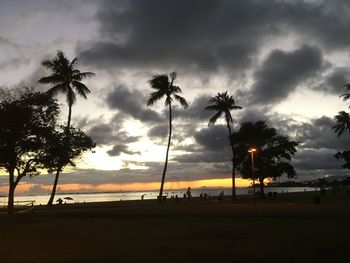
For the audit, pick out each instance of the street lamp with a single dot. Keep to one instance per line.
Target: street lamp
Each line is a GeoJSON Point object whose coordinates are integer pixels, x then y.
{"type": "Point", "coordinates": [252, 151]}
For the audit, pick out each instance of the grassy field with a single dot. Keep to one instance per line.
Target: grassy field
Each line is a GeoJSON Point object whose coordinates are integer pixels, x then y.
{"type": "Point", "coordinates": [290, 228]}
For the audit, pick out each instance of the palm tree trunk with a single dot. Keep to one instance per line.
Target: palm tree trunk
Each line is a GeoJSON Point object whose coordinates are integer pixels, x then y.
{"type": "Point", "coordinates": [53, 192]}
{"type": "Point", "coordinates": [233, 197]}
{"type": "Point", "coordinates": [69, 116]}
{"type": "Point", "coordinates": [166, 156]}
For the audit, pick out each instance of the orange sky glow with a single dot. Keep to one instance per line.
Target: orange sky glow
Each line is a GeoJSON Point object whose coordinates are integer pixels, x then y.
{"type": "Point", "coordinates": [224, 182]}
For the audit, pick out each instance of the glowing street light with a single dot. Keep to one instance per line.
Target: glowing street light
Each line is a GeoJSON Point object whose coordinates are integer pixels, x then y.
{"type": "Point", "coordinates": [252, 151]}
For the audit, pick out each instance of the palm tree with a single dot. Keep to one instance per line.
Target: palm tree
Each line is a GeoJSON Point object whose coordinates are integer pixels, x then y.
{"type": "Point", "coordinates": [343, 123]}
{"type": "Point", "coordinates": [66, 79]}
{"type": "Point", "coordinates": [164, 86]}
{"type": "Point", "coordinates": [222, 103]}
{"type": "Point", "coordinates": [343, 118]}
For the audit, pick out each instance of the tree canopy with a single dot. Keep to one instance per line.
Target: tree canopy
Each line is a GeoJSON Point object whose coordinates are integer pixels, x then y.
{"type": "Point", "coordinates": [27, 121]}
{"type": "Point", "coordinates": [273, 152]}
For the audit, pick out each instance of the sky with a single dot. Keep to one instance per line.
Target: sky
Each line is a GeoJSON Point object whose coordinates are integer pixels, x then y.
{"type": "Point", "coordinates": [284, 61]}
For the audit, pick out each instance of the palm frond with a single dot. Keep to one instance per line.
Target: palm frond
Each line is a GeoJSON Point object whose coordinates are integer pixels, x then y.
{"type": "Point", "coordinates": [159, 82]}
{"type": "Point", "coordinates": [53, 79]}
{"type": "Point", "coordinates": [343, 123]}
{"type": "Point", "coordinates": [48, 64]}
{"type": "Point", "coordinates": [154, 97]}
{"type": "Point", "coordinates": [345, 96]}
{"type": "Point", "coordinates": [212, 107]}
{"type": "Point", "coordinates": [82, 75]}
{"type": "Point", "coordinates": [174, 89]}
{"type": "Point", "coordinates": [71, 98]}
{"type": "Point", "coordinates": [168, 100]}
{"type": "Point", "coordinates": [214, 118]}
{"type": "Point", "coordinates": [74, 63]}
{"type": "Point", "coordinates": [57, 89]}
{"type": "Point", "coordinates": [235, 107]}
{"type": "Point", "coordinates": [80, 88]}
{"type": "Point", "coordinates": [182, 101]}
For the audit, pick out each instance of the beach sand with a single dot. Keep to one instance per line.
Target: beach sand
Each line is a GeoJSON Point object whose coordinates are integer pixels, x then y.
{"type": "Point", "coordinates": [289, 228]}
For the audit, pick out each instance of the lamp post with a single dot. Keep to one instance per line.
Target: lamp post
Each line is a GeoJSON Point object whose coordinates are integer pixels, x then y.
{"type": "Point", "coordinates": [252, 151]}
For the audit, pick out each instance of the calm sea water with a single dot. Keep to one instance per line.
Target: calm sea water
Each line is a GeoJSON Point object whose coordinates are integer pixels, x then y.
{"type": "Point", "coordinates": [122, 196]}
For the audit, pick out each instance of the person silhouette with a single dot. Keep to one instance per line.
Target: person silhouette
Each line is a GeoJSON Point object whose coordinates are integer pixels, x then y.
{"type": "Point", "coordinates": [188, 193]}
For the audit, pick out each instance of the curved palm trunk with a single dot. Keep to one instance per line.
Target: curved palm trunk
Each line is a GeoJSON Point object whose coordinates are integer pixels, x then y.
{"type": "Point", "coordinates": [53, 192]}
{"type": "Point", "coordinates": [233, 197]}
{"type": "Point", "coordinates": [166, 156]}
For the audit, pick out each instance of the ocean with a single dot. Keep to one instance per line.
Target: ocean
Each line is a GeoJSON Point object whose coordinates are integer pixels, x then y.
{"type": "Point", "coordinates": [137, 195]}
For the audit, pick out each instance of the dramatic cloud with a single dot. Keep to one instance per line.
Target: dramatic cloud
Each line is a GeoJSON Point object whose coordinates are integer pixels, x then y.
{"type": "Point", "coordinates": [131, 102]}
{"type": "Point", "coordinates": [335, 81]}
{"type": "Point", "coordinates": [199, 34]}
{"type": "Point", "coordinates": [207, 35]}
{"type": "Point", "coordinates": [282, 72]}
{"type": "Point", "coordinates": [196, 110]}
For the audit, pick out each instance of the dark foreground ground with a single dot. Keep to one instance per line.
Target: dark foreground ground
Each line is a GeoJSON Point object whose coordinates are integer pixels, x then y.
{"type": "Point", "coordinates": [290, 228]}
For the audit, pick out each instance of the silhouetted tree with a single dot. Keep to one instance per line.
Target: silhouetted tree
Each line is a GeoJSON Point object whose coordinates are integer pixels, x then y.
{"type": "Point", "coordinates": [164, 87]}
{"type": "Point", "coordinates": [66, 79]}
{"type": "Point", "coordinates": [61, 151]}
{"type": "Point", "coordinates": [273, 152]}
{"type": "Point", "coordinates": [222, 103]}
{"type": "Point", "coordinates": [343, 125]}
{"type": "Point", "coordinates": [27, 120]}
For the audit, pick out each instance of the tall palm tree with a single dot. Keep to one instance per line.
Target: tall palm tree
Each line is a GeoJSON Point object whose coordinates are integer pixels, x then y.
{"type": "Point", "coordinates": [66, 79]}
{"type": "Point", "coordinates": [222, 103]}
{"type": "Point", "coordinates": [164, 87]}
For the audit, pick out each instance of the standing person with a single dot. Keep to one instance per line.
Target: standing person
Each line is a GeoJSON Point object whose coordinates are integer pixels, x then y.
{"type": "Point", "coordinates": [188, 193]}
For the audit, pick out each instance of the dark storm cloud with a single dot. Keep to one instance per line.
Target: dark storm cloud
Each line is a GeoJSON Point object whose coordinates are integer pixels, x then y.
{"type": "Point", "coordinates": [325, 22]}
{"type": "Point", "coordinates": [196, 110]}
{"type": "Point", "coordinates": [282, 72]}
{"type": "Point", "coordinates": [334, 82]}
{"type": "Point", "coordinates": [211, 146]}
{"type": "Point", "coordinates": [205, 35]}
{"type": "Point", "coordinates": [319, 134]}
{"type": "Point", "coordinates": [131, 102]}
{"type": "Point", "coordinates": [199, 34]}
{"type": "Point", "coordinates": [213, 138]}
{"type": "Point", "coordinates": [316, 159]}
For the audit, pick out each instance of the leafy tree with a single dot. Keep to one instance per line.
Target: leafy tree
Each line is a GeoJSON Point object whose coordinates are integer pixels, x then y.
{"type": "Point", "coordinates": [273, 152]}
{"type": "Point", "coordinates": [66, 79]}
{"type": "Point", "coordinates": [27, 120]}
{"type": "Point", "coordinates": [61, 151]}
{"type": "Point", "coordinates": [222, 103]}
{"type": "Point", "coordinates": [343, 125]}
{"type": "Point", "coordinates": [164, 87]}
